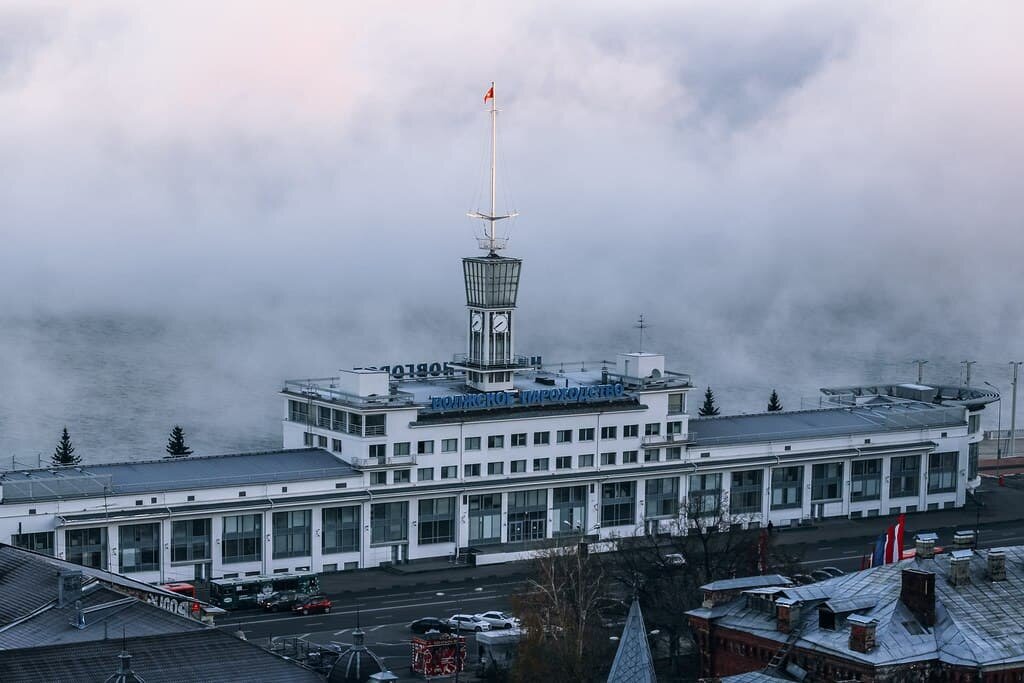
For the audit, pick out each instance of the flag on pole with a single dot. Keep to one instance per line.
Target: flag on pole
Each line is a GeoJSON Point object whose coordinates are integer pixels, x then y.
{"type": "Point", "coordinates": [878, 557]}
{"type": "Point", "coordinates": [489, 95]}
{"type": "Point", "coordinates": [901, 525]}
{"type": "Point", "coordinates": [890, 544]}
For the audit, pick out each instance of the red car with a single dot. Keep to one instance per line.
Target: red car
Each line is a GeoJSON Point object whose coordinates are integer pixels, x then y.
{"type": "Point", "coordinates": [313, 603]}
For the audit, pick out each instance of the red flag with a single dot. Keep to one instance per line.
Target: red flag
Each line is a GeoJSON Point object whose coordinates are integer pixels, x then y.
{"type": "Point", "coordinates": [901, 526]}
{"type": "Point", "coordinates": [489, 95]}
{"type": "Point", "coordinates": [890, 544]}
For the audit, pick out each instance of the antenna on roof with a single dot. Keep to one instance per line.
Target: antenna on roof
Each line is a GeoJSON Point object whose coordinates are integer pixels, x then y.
{"type": "Point", "coordinates": [642, 325]}
{"type": "Point", "coordinates": [920, 370]}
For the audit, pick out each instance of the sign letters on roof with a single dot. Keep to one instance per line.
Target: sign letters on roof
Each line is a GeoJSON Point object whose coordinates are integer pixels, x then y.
{"type": "Point", "coordinates": [527, 397]}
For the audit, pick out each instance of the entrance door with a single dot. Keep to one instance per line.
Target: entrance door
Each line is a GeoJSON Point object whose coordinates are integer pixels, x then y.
{"type": "Point", "coordinates": [515, 532]}
{"type": "Point", "coordinates": [203, 571]}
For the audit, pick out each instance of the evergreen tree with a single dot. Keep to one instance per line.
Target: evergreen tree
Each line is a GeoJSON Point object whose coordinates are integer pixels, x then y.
{"type": "Point", "coordinates": [65, 453]}
{"type": "Point", "coordinates": [709, 408]}
{"type": "Point", "coordinates": [774, 405]}
{"type": "Point", "coordinates": [176, 447]}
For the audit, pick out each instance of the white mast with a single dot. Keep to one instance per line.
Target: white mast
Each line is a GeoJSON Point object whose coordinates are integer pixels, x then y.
{"type": "Point", "coordinates": [490, 241]}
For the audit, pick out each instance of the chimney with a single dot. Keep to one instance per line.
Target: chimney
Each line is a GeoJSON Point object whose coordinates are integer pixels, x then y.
{"type": "Point", "coordinates": [996, 564]}
{"type": "Point", "coordinates": [925, 546]}
{"type": "Point", "coordinates": [917, 592]}
{"type": "Point", "coordinates": [862, 632]}
{"type": "Point", "coordinates": [69, 587]}
{"type": "Point", "coordinates": [963, 540]}
{"type": "Point", "coordinates": [787, 611]}
{"type": "Point", "coordinates": [960, 567]}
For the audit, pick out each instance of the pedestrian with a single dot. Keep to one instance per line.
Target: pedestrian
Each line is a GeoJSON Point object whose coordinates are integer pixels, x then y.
{"type": "Point", "coordinates": [771, 527]}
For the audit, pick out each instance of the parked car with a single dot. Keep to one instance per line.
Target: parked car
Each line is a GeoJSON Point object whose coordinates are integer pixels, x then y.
{"type": "Point", "coordinates": [282, 600]}
{"type": "Point", "coordinates": [498, 619]}
{"type": "Point", "coordinates": [313, 603]}
{"type": "Point", "coordinates": [468, 622]}
{"type": "Point", "coordinates": [821, 575]}
{"type": "Point", "coordinates": [802, 579]}
{"type": "Point", "coordinates": [430, 624]}
{"type": "Point", "coordinates": [834, 571]}
{"type": "Point", "coordinates": [675, 560]}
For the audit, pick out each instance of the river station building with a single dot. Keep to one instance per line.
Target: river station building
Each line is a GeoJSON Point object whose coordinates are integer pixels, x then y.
{"type": "Point", "coordinates": [492, 454]}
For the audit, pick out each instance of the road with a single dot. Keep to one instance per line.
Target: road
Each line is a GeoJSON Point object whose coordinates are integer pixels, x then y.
{"type": "Point", "coordinates": [384, 615]}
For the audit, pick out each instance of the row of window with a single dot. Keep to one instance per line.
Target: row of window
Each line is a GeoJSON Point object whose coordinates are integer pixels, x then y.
{"type": "Point", "coordinates": [337, 420]}
{"type": "Point", "coordinates": [562, 462]}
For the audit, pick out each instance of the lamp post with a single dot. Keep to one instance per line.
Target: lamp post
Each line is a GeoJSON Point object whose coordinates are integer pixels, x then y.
{"type": "Point", "coordinates": [1015, 365]}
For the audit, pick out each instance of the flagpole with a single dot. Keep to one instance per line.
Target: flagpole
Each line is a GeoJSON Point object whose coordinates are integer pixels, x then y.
{"type": "Point", "coordinates": [494, 162]}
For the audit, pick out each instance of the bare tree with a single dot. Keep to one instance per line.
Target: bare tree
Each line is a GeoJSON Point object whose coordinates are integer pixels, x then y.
{"type": "Point", "coordinates": [560, 611]}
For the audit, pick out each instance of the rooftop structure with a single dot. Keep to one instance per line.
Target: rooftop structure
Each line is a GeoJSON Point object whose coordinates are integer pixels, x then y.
{"type": "Point", "coordinates": [633, 662]}
{"type": "Point", "coordinates": [938, 615]}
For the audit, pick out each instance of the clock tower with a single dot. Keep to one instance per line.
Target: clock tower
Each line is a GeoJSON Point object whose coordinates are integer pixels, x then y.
{"type": "Point", "coordinates": [492, 285]}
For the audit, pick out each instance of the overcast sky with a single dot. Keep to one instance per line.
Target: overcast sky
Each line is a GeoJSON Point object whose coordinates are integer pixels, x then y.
{"type": "Point", "coordinates": [801, 175]}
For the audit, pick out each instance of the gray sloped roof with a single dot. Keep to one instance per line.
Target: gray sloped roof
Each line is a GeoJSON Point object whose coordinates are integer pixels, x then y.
{"type": "Point", "coordinates": [168, 474]}
{"type": "Point", "coordinates": [633, 662]}
{"type": "Point", "coordinates": [978, 624]}
{"type": "Point", "coordinates": [745, 582]}
{"type": "Point", "coordinates": [207, 655]}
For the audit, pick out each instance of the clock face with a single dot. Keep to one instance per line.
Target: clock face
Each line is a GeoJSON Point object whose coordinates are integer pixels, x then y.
{"type": "Point", "coordinates": [477, 322]}
{"type": "Point", "coordinates": [500, 323]}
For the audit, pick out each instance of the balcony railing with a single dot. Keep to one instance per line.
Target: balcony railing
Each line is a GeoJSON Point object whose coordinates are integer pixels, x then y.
{"type": "Point", "coordinates": [383, 461]}
{"type": "Point", "coordinates": [665, 439]}
{"type": "Point", "coordinates": [513, 362]}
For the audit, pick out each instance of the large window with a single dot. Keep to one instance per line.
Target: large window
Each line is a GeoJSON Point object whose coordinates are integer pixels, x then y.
{"type": "Point", "coordinates": [485, 518]}
{"type": "Point", "coordinates": [292, 533]}
{"type": "Point", "coordinates": [904, 475]}
{"type": "Point", "coordinates": [140, 547]}
{"type": "Point", "coordinates": [787, 487]}
{"type": "Point", "coordinates": [827, 481]}
{"type": "Point", "coordinates": [190, 540]}
{"type": "Point", "coordinates": [661, 497]}
{"type": "Point", "coordinates": [41, 542]}
{"type": "Point", "coordinates": [745, 492]}
{"type": "Point", "coordinates": [87, 547]}
{"type": "Point", "coordinates": [389, 522]}
{"type": "Point", "coordinates": [243, 538]}
{"type": "Point", "coordinates": [866, 479]}
{"type": "Point", "coordinates": [618, 503]}
{"type": "Point", "coordinates": [527, 515]}
{"type": "Point", "coordinates": [676, 403]}
{"type": "Point", "coordinates": [298, 411]}
{"type": "Point", "coordinates": [972, 461]}
{"type": "Point", "coordinates": [436, 520]}
{"type": "Point", "coordinates": [569, 515]}
{"type": "Point", "coordinates": [705, 497]}
{"type": "Point", "coordinates": [941, 472]}
{"type": "Point", "coordinates": [341, 529]}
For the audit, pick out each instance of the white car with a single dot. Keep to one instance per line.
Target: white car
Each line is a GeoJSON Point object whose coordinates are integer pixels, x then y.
{"type": "Point", "coordinates": [498, 619]}
{"type": "Point", "coordinates": [675, 560]}
{"type": "Point", "coordinates": [468, 622]}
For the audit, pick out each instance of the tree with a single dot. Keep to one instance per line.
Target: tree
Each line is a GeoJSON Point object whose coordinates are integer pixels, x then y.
{"type": "Point", "coordinates": [666, 570]}
{"type": "Point", "coordinates": [774, 405]}
{"type": "Point", "coordinates": [64, 454]}
{"type": "Point", "coordinates": [709, 408]}
{"type": "Point", "coordinates": [560, 610]}
{"type": "Point", "coordinates": [176, 447]}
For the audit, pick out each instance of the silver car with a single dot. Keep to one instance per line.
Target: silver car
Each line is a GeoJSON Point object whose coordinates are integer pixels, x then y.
{"type": "Point", "coordinates": [468, 622]}
{"type": "Point", "coordinates": [498, 619]}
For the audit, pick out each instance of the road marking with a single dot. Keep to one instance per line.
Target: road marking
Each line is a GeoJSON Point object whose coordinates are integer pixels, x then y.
{"type": "Point", "coordinates": [377, 628]}
{"type": "Point", "coordinates": [342, 631]}
{"type": "Point", "coordinates": [825, 547]}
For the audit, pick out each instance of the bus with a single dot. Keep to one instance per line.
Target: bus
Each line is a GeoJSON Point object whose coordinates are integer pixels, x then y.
{"type": "Point", "coordinates": [186, 589]}
{"type": "Point", "coordinates": [250, 591]}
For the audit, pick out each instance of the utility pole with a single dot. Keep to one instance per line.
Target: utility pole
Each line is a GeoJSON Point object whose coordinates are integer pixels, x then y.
{"type": "Point", "coordinates": [1015, 365]}
{"type": "Point", "coordinates": [999, 426]}
{"type": "Point", "coordinates": [967, 371]}
{"type": "Point", "coordinates": [920, 370]}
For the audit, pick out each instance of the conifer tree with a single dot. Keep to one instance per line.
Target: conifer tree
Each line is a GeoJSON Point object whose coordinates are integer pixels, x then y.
{"type": "Point", "coordinates": [774, 405]}
{"type": "Point", "coordinates": [176, 447]}
{"type": "Point", "coordinates": [64, 454]}
{"type": "Point", "coordinates": [709, 408]}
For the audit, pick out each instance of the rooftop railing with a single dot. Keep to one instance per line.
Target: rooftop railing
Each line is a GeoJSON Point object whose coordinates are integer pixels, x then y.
{"type": "Point", "coordinates": [325, 389]}
{"type": "Point", "coordinates": [383, 461]}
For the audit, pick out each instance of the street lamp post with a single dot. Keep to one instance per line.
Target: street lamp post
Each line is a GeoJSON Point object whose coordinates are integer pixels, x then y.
{"type": "Point", "coordinates": [999, 427]}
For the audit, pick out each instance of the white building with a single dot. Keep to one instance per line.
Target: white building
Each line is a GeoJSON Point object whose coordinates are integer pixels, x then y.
{"type": "Point", "coordinates": [491, 454]}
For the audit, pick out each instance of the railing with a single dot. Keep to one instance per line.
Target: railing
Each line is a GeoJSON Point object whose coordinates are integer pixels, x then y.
{"type": "Point", "coordinates": [325, 389]}
{"type": "Point", "coordinates": [383, 461]}
{"type": "Point", "coordinates": [514, 362]}
{"type": "Point", "coordinates": [664, 440]}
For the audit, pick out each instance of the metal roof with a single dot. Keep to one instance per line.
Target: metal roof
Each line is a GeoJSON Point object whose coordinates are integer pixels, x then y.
{"type": "Point", "coordinates": [977, 624]}
{"type": "Point", "coordinates": [805, 424]}
{"type": "Point", "coordinates": [157, 476]}
{"type": "Point", "coordinates": [633, 662]}
{"type": "Point", "coordinates": [745, 582]}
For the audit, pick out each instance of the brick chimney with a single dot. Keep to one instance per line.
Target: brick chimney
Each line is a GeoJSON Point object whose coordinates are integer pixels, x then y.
{"type": "Point", "coordinates": [917, 592]}
{"type": "Point", "coordinates": [862, 632]}
{"type": "Point", "coordinates": [787, 612]}
{"type": "Point", "coordinates": [963, 540]}
{"type": "Point", "coordinates": [924, 545]}
{"type": "Point", "coordinates": [996, 564]}
{"type": "Point", "coordinates": [960, 567]}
